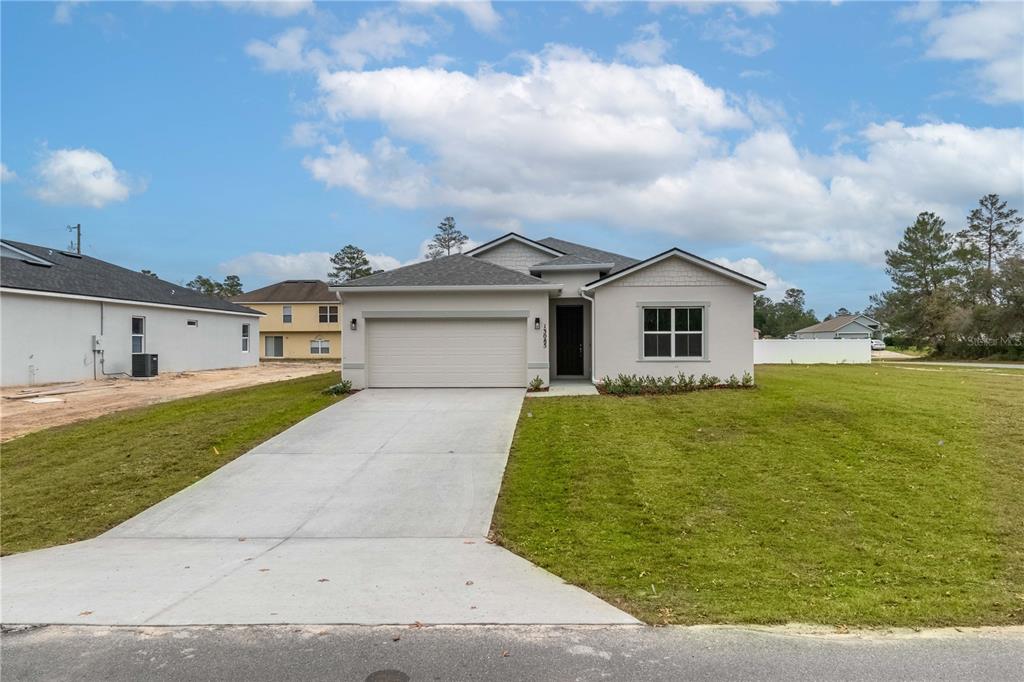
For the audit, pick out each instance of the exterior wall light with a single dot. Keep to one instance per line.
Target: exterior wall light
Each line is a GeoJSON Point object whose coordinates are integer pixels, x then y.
{"type": "Point", "coordinates": [536, 323]}
{"type": "Point", "coordinates": [354, 324]}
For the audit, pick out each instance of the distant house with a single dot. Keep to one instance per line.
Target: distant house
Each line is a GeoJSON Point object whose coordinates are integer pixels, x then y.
{"type": "Point", "coordinates": [68, 317]}
{"type": "Point", "coordinates": [303, 319]}
{"type": "Point", "coordinates": [841, 327]}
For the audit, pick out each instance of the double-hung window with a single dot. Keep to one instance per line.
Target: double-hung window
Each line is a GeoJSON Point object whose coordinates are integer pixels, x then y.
{"type": "Point", "coordinates": [286, 314]}
{"type": "Point", "coordinates": [138, 335]}
{"type": "Point", "coordinates": [329, 313]}
{"type": "Point", "coordinates": [245, 337]}
{"type": "Point", "coordinates": [319, 347]}
{"type": "Point", "coordinates": [673, 332]}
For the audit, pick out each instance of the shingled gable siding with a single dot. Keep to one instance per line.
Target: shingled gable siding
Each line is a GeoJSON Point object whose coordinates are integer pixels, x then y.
{"type": "Point", "coordinates": [515, 255]}
{"type": "Point", "coordinates": [673, 272]}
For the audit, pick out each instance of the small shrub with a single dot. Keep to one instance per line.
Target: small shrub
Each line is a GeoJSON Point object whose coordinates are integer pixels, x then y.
{"type": "Point", "coordinates": [706, 381]}
{"type": "Point", "coordinates": [732, 381]}
{"type": "Point", "coordinates": [341, 388]}
{"type": "Point", "coordinates": [536, 383]}
{"type": "Point", "coordinates": [748, 379]}
{"type": "Point", "coordinates": [686, 382]}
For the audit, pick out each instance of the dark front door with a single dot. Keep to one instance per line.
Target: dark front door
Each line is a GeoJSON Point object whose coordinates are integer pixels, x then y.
{"type": "Point", "coordinates": [569, 340]}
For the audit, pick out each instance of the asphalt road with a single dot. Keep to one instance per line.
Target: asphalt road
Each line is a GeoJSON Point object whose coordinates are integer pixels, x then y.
{"type": "Point", "coordinates": [397, 654]}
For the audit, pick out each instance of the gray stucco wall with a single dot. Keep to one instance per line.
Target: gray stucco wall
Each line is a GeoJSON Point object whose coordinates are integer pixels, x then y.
{"type": "Point", "coordinates": [729, 312]}
{"type": "Point", "coordinates": [441, 304]}
{"type": "Point", "coordinates": [48, 339]}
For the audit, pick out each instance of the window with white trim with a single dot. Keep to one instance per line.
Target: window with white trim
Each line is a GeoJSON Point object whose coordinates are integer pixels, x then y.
{"type": "Point", "coordinates": [319, 346]}
{"type": "Point", "coordinates": [329, 314]}
{"type": "Point", "coordinates": [673, 332]}
{"type": "Point", "coordinates": [245, 337]}
{"type": "Point", "coordinates": [138, 335]}
{"type": "Point", "coordinates": [286, 314]}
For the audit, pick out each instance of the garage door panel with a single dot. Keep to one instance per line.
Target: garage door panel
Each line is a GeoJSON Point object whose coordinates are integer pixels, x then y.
{"type": "Point", "coordinates": [446, 352]}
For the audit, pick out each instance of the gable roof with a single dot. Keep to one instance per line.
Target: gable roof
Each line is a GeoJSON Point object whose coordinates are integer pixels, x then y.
{"type": "Point", "coordinates": [290, 291]}
{"type": "Point", "coordinates": [456, 270]}
{"type": "Point", "coordinates": [513, 236]}
{"type": "Point", "coordinates": [618, 261]}
{"type": "Point", "coordinates": [835, 324]}
{"type": "Point", "coordinates": [61, 272]}
{"type": "Point", "coordinates": [685, 255]}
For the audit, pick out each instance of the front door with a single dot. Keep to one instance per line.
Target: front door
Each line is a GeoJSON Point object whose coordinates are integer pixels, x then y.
{"type": "Point", "coordinates": [569, 340]}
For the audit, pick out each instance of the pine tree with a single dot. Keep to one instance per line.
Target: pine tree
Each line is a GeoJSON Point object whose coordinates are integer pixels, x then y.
{"type": "Point", "coordinates": [348, 264]}
{"type": "Point", "coordinates": [992, 234]}
{"type": "Point", "coordinates": [448, 239]}
{"type": "Point", "coordinates": [231, 286]}
{"type": "Point", "coordinates": [922, 262]}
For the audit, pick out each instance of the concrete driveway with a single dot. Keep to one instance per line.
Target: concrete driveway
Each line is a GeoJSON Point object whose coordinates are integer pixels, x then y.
{"type": "Point", "coordinates": [372, 511]}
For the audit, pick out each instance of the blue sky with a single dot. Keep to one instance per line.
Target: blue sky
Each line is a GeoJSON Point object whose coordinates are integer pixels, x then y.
{"type": "Point", "coordinates": [792, 141]}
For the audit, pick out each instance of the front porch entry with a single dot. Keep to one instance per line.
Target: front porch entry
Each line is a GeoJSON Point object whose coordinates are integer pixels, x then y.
{"type": "Point", "coordinates": [569, 340]}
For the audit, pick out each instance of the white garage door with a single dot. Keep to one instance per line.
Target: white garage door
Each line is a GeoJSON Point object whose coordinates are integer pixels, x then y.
{"type": "Point", "coordinates": [446, 352]}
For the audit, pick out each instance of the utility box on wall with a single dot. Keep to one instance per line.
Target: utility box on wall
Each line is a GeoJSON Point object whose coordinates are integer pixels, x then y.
{"type": "Point", "coordinates": [144, 365]}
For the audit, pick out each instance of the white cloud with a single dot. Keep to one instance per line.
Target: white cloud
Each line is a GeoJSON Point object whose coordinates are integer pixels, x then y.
{"type": "Point", "coordinates": [991, 34]}
{"type": "Point", "coordinates": [273, 267]}
{"type": "Point", "coordinates": [572, 138]}
{"type": "Point", "coordinates": [6, 174]}
{"type": "Point", "coordinates": [63, 11]}
{"type": "Point", "coordinates": [440, 61]}
{"type": "Point", "coordinates": [736, 38]}
{"type": "Point", "coordinates": [83, 177]}
{"type": "Point", "coordinates": [479, 13]}
{"type": "Point", "coordinates": [285, 53]}
{"type": "Point", "coordinates": [608, 8]}
{"type": "Point", "coordinates": [751, 267]}
{"type": "Point", "coordinates": [648, 47]}
{"type": "Point", "coordinates": [378, 36]}
{"type": "Point", "coordinates": [755, 73]}
{"type": "Point", "coordinates": [752, 8]}
{"type": "Point", "coordinates": [271, 8]}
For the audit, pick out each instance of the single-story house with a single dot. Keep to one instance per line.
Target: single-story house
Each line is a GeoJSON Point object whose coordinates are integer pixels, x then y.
{"type": "Point", "coordinates": [841, 327]}
{"type": "Point", "coordinates": [66, 317]}
{"type": "Point", "coordinates": [301, 320]}
{"type": "Point", "coordinates": [514, 309]}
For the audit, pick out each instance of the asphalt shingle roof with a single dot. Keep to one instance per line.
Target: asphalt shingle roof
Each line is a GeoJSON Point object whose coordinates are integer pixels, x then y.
{"type": "Point", "coordinates": [596, 255]}
{"type": "Point", "coordinates": [290, 291]}
{"type": "Point", "coordinates": [454, 270]}
{"type": "Point", "coordinates": [87, 276]}
{"type": "Point", "coordinates": [835, 324]}
{"type": "Point", "coordinates": [569, 259]}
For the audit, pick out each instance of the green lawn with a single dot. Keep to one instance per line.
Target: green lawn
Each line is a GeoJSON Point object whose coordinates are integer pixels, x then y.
{"type": "Point", "coordinates": [856, 495]}
{"type": "Point", "coordinates": [74, 482]}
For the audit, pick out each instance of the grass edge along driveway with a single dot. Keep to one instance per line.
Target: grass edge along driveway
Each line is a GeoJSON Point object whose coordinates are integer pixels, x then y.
{"type": "Point", "coordinates": [74, 482]}
{"type": "Point", "coordinates": [856, 495]}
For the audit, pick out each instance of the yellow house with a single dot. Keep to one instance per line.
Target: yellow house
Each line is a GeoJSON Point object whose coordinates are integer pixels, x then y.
{"type": "Point", "coordinates": [302, 320]}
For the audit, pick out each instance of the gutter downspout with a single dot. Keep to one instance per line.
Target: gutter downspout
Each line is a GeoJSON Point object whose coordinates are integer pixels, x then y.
{"type": "Point", "coordinates": [341, 335]}
{"type": "Point", "coordinates": [593, 339]}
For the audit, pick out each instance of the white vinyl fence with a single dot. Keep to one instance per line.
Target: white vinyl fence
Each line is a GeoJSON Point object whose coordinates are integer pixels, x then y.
{"type": "Point", "coordinates": [811, 351]}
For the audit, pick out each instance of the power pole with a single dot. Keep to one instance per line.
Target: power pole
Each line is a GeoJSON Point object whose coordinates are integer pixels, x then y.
{"type": "Point", "coordinates": [78, 241]}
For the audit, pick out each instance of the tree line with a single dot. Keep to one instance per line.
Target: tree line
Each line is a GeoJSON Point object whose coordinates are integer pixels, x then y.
{"type": "Point", "coordinates": [351, 262]}
{"type": "Point", "coordinates": [960, 293]}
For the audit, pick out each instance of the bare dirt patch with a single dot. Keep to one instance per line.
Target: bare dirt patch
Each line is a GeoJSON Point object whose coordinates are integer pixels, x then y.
{"type": "Point", "coordinates": [88, 399]}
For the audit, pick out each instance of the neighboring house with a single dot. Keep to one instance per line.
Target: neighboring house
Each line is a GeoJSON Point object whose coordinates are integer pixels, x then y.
{"type": "Point", "coordinates": [302, 319]}
{"type": "Point", "coordinates": [514, 309]}
{"type": "Point", "coordinates": [841, 327]}
{"type": "Point", "coordinates": [68, 317]}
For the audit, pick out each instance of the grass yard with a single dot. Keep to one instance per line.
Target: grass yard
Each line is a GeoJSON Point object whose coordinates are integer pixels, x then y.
{"type": "Point", "coordinates": [856, 495]}
{"type": "Point", "coordinates": [73, 482]}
